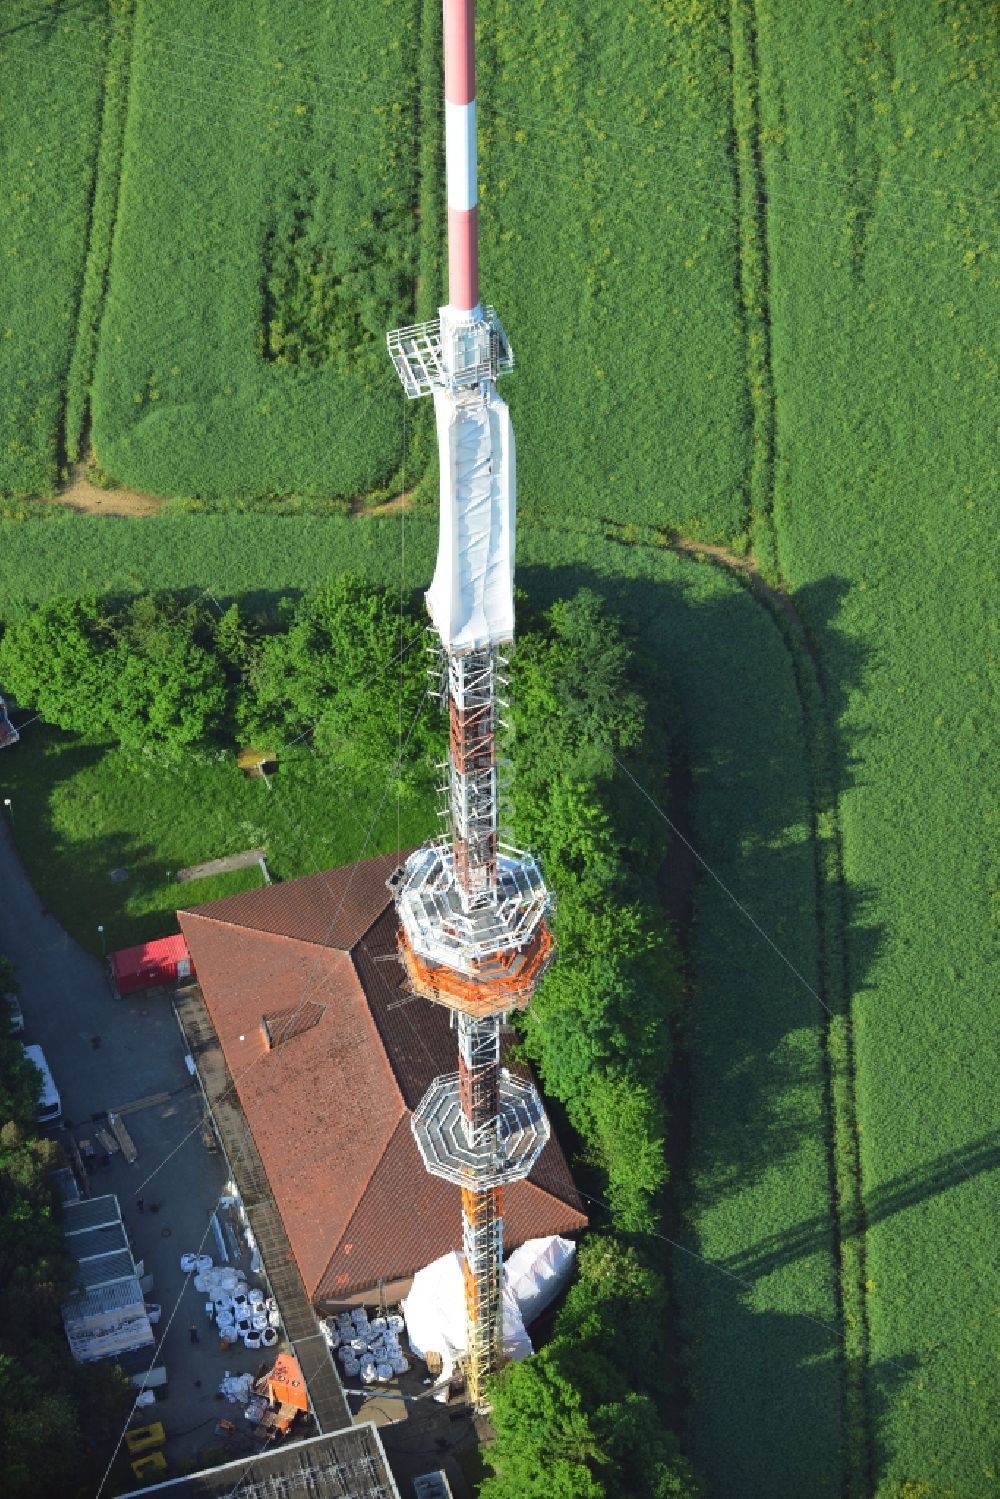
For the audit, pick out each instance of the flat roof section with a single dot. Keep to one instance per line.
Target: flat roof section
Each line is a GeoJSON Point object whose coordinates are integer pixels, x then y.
{"type": "Point", "coordinates": [91, 1212]}
{"type": "Point", "coordinates": [102, 1240]}
{"type": "Point", "coordinates": [348, 1464]}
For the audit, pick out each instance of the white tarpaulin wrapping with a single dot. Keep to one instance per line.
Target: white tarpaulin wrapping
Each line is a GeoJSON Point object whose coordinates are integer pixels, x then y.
{"type": "Point", "coordinates": [537, 1272]}
{"type": "Point", "coordinates": [435, 1315]}
{"type": "Point", "coordinates": [435, 1308]}
{"type": "Point", "coordinates": [471, 597]}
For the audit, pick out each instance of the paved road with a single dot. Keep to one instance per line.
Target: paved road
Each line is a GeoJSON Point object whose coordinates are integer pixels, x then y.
{"type": "Point", "coordinates": [104, 1052]}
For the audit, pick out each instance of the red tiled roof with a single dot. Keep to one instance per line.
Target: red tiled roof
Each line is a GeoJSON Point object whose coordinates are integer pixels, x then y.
{"type": "Point", "coordinates": [329, 1106]}
{"type": "Point", "coordinates": [407, 1218]}
{"type": "Point", "coordinates": [331, 909]}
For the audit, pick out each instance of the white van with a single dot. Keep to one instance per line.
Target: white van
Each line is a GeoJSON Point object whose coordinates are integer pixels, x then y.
{"type": "Point", "coordinates": [49, 1102]}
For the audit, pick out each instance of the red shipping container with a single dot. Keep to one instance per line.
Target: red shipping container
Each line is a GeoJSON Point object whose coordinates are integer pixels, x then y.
{"type": "Point", "coordinates": [165, 961]}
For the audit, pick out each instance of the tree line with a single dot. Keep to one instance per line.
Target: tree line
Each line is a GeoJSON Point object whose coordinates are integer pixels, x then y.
{"type": "Point", "coordinates": [585, 1418]}
{"type": "Point", "coordinates": [169, 675]}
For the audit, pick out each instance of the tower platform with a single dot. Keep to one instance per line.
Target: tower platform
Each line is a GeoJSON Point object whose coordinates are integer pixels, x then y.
{"type": "Point", "coordinates": [507, 1153]}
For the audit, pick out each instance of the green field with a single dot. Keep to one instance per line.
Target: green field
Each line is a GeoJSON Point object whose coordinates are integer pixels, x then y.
{"type": "Point", "coordinates": [611, 265]}
{"type": "Point", "coordinates": [284, 151]}
{"type": "Point", "coordinates": [51, 99]}
{"type": "Point", "coordinates": [884, 326]}
{"type": "Point", "coordinates": [232, 555]}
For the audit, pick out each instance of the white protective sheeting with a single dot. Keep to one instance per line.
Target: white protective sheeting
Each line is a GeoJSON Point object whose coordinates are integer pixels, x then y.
{"type": "Point", "coordinates": [471, 598]}
{"type": "Point", "coordinates": [435, 1315]}
{"type": "Point", "coordinates": [537, 1272]}
{"type": "Point", "coordinates": [460, 154]}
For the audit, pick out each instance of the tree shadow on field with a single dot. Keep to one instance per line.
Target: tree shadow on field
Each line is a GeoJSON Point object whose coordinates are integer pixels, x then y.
{"type": "Point", "coordinates": [769, 1426]}
{"type": "Point", "coordinates": [756, 704]}
{"type": "Point", "coordinates": [73, 875]}
{"type": "Point", "coordinates": [52, 14]}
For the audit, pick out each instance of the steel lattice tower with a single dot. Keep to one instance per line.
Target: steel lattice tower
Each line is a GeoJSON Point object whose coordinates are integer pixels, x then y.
{"type": "Point", "coordinates": [473, 909]}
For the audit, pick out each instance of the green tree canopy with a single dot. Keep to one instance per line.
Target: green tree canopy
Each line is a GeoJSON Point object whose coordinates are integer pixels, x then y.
{"type": "Point", "coordinates": [144, 673]}
{"type": "Point", "coordinates": [52, 657]}
{"type": "Point", "coordinates": [348, 669]}
{"type": "Point", "coordinates": [166, 687]}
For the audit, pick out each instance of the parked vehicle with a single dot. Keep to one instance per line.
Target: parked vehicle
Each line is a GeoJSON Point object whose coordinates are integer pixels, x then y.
{"type": "Point", "coordinates": [49, 1102]}
{"type": "Point", "coordinates": [16, 1015]}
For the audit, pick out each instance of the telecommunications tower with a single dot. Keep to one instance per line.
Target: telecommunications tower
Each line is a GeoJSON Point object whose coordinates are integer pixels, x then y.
{"type": "Point", "coordinates": [473, 910]}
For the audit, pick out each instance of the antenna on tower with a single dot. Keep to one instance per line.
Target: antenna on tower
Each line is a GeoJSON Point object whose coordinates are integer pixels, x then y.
{"type": "Point", "coordinates": [473, 909]}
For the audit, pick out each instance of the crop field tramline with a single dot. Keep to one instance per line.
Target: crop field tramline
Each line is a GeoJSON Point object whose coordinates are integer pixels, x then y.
{"type": "Point", "coordinates": [51, 99]}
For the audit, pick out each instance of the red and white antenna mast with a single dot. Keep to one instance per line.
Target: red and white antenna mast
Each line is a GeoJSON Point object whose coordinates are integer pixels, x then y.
{"type": "Point", "coordinates": [460, 155]}
{"type": "Point", "coordinates": [473, 909]}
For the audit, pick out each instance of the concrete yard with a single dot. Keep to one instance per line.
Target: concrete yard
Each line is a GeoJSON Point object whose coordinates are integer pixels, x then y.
{"type": "Point", "coordinates": [106, 1053]}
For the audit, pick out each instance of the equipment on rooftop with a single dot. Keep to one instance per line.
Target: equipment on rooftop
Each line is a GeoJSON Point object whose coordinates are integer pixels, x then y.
{"type": "Point", "coordinates": [473, 909]}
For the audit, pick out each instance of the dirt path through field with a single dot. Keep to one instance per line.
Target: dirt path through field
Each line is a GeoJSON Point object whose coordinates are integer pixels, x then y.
{"type": "Point", "coordinates": [89, 499]}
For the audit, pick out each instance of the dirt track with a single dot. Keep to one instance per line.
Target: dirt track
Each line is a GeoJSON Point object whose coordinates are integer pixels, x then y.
{"type": "Point", "coordinates": [80, 494]}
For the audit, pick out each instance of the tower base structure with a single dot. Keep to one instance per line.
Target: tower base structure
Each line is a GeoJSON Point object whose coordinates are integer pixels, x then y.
{"type": "Point", "coordinates": [481, 1129]}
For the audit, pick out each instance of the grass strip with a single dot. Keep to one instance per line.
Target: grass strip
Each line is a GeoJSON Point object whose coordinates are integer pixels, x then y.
{"type": "Point", "coordinates": [753, 282]}
{"type": "Point", "coordinates": [102, 225]}
{"type": "Point", "coordinates": [51, 80]}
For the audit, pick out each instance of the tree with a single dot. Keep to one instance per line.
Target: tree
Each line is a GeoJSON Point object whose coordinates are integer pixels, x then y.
{"type": "Point", "coordinates": [546, 1447]}
{"type": "Point", "coordinates": [146, 673]}
{"type": "Point", "coordinates": [53, 657]}
{"type": "Point", "coordinates": [346, 669]}
{"type": "Point", "coordinates": [576, 703]}
{"type": "Point", "coordinates": [10, 988]}
{"type": "Point", "coordinates": [568, 1425]}
{"type": "Point", "coordinates": [167, 689]}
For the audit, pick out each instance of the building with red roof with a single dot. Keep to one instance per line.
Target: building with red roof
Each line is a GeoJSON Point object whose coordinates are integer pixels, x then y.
{"type": "Point", "coordinates": [329, 1057]}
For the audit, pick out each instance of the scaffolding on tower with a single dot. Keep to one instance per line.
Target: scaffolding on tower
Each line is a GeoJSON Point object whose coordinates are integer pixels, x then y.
{"type": "Point", "coordinates": [473, 908]}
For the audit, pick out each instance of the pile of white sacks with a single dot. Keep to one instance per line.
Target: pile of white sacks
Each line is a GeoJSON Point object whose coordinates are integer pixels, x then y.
{"type": "Point", "coordinates": [240, 1312]}
{"type": "Point", "coordinates": [237, 1388]}
{"type": "Point", "coordinates": [369, 1349]}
